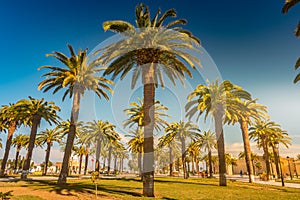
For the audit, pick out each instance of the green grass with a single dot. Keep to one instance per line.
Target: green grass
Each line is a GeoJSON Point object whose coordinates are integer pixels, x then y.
{"type": "Point", "coordinates": [166, 188]}
{"type": "Point", "coordinates": [293, 181]}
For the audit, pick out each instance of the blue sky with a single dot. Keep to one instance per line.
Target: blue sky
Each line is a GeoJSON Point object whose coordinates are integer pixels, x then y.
{"type": "Point", "coordinates": [252, 44]}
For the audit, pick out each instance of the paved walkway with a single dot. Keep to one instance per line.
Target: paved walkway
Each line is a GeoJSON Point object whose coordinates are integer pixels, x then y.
{"type": "Point", "coordinates": [257, 180]}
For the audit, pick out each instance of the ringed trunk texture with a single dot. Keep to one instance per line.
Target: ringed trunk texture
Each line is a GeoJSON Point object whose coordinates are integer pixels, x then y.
{"type": "Point", "coordinates": [11, 130]}
{"type": "Point", "coordinates": [266, 157]}
{"type": "Point", "coordinates": [70, 140]}
{"type": "Point", "coordinates": [245, 134]}
{"type": "Point", "coordinates": [47, 159]}
{"type": "Point", "coordinates": [221, 149]}
{"type": "Point", "coordinates": [171, 160]}
{"type": "Point", "coordinates": [98, 150]}
{"type": "Point", "coordinates": [86, 163]}
{"type": "Point", "coordinates": [140, 164]}
{"type": "Point", "coordinates": [276, 161]}
{"type": "Point", "coordinates": [35, 122]}
{"type": "Point", "coordinates": [17, 158]}
{"type": "Point", "coordinates": [210, 164]}
{"type": "Point", "coordinates": [80, 163]}
{"type": "Point", "coordinates": [109, 159]}
{"type": "Point", "coordinates": [183, 158]}
{"type": "Point", "coordinates": [148, 161]}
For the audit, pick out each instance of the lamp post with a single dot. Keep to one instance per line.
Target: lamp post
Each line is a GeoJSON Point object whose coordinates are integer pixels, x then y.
{"type": "Point", "coordinates": [277, 147]}
{"type": "Point", "coordinates": [288, 159]}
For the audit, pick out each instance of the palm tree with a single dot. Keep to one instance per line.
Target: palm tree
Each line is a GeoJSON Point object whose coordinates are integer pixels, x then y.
{"type": "Point", "coordinates": [254, 157]}
{"type": "Point", "coordinates": [19, 141]}
{"type": "Point", "coordinates": [136, 115]}
{"type": "Point", "coordinates": [49, 136]}
{"type": "Point", "coordinates": [136, 145]}
{"type": "Point", "coordinates": [77, 77]}
{"type": "Point", "coordinates": [80, 151]}
{"type": "Point", "coordinates": [207, 141]}
{"type": "Point", "coordinates": [100, 132]}
{"type": "Point", "coordinates": [286, 7]}
{"type": "Point", "coordinates": [230, 160]}
{"type": "Point", "coordinates": [34, 110]}
{"type": "Point", "coordinates": [182, 131]}
{"type": "Point", "coordinates": [279, 136]}
{"type": "Point", "coordinates": [10, 119]}
{"type": "Point", "coordinates": [216, 99]}
{"type": "Point", "coordinates": [261, 132]}
{"type": "Point", "coordinates": [173, 145]}
{"type": "Point", "coordinates": [244, 112]}
{"type": "Point", "coordinates": [149, 50]}
{"type": "Point", "coordinates": [289, 4]}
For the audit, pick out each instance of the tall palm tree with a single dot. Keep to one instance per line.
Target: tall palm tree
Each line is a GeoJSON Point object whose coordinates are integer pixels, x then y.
{"type": "Point", "coordinates": [48, 136]}
{"type": "Point", "coordinates": [77, 77]}
{"type": "Point", "coordinates": [19, 141]}
{"type": "Point", "coordinates": [208, 142]}
{"type": "Point", "coordinates": [244, 112]}
{"type": "Point", "coordinates": [216, 99]}
{"type": "Point", "coordinates": [100, 132]}
{"type": "Point", "coordinates": [136, 145]}
{"type": "Point", "coordinates": [80, 151]}
{"type": "Point", "coordinates": [261, 131]}
{"type": "Point", "coordinates": [286, 7]}
{"type": "Point", "coordinates": [289, 4]}
{"type": "Point", "coordinates": [173, 145]}
{"type": "Point", "coordinates": [149, 50]}
{"type": "Point", "coordinates": [279, 136]}
{"type": "Point", "coordinates": [10, 119]}
{"type": "Point", "coordinates": [182, 130]}
{"type": "Point", "coordinates": [35, 110]}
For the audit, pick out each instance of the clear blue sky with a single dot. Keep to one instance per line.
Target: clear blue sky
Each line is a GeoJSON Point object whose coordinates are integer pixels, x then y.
{"type": "Point", "coordinates": [251, 42]}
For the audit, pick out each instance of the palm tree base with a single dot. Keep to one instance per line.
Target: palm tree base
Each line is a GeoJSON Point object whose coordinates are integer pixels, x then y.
{"type": "Point", "coordinates": [62, 180]}
{"type": "Point", "coordinates": [148, 184]}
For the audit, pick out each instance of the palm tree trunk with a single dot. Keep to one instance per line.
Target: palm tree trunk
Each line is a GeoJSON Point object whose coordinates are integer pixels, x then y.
{"type": "Point", "coordinates": [47, 159]}
{"type": "Point", "coordinates": [80, 163]}
{"type": "Point", "coordinates": [17, 156]}
{"type": "Point", "coordinates": [266, 156]}
{"type": "Point", "coordinates": [104, 160]}
{"type": "Point", "coordinates": [210, 163]}
{"type": "Point", "coordinates": [197, 165]}
{"type": "Point", "coordinates": [86, 163]}
{"type": "Point", "coordinates": [115, 164]}
{"type": "Point", "coordinates": [148, 161]}
{"type": "Point", "coordinates": [171, 160]}
{"type": "Point", "coordinates": [98, 150]}
{"type": "Point", "coordinates": [276, 161]}
{"type": "Point", "coordinates": [183, 157]}
{"type": "Point", "coordinates": [140, 164]}
{"type": "Point", "coordinates": [11, 130]}
{"type": "Point", "coordinates": [253, 166]}
{"type": "Point", "coordinates": [221, 149]}
{"type": "Point", "coordinates": [36, 119]}
{"type": "Point", "coordinates": [70, 140]}
{"type": "Point", "coordinates": [109, 159]}
{"type": "Point", "coordinates": [193, 164]}
{"type": "Point", "coordinates": [122, 161]}
{"type": "Point", "coordinates": [245, 134]}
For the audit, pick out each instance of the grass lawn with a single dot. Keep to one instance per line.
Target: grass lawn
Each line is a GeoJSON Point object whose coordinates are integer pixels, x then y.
{"type": "Point", "coordinates": [165, 188]}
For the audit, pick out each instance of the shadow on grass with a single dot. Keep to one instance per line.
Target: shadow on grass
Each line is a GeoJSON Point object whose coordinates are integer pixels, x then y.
{"type": "Point", "coordinates": [70, 189]}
